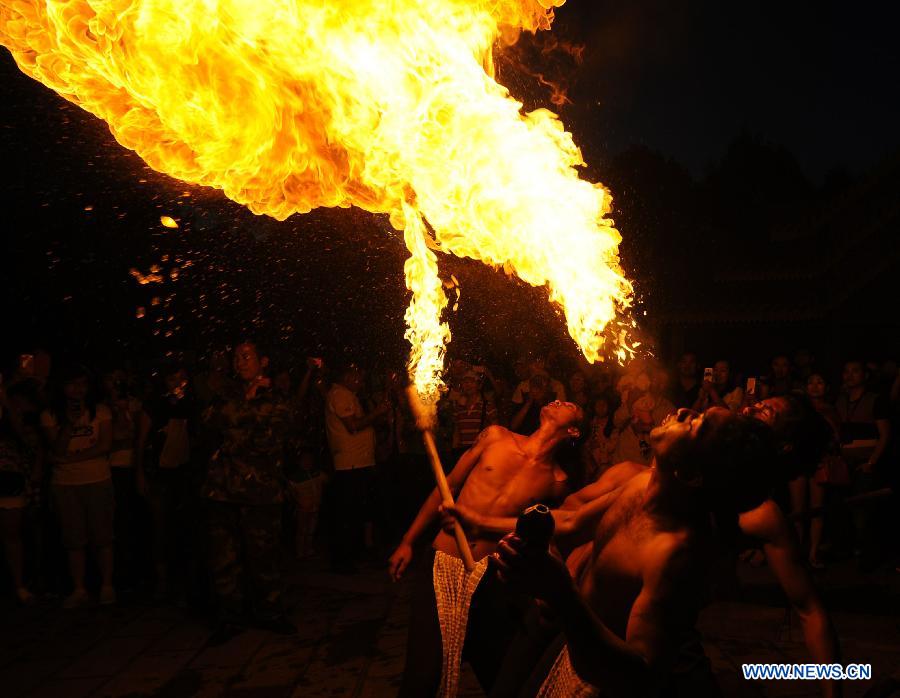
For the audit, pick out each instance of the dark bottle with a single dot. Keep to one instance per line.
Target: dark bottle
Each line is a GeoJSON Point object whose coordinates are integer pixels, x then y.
{"type": "Point", "coordinates": [535, 527]}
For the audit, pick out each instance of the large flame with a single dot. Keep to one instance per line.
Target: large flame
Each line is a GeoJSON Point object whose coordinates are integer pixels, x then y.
{"type": "Point", "coordinates": [389, 105]}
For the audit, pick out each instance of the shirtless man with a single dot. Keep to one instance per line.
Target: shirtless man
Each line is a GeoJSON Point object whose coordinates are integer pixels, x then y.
{"type": "Point", "coordinates": [500, 475]}
{"type": "Point", "coordinates": [801, 436]}
{"type": "Point", "coordinates": [624, 606]}
{"type": "Point", "coordinates": [800, 439]}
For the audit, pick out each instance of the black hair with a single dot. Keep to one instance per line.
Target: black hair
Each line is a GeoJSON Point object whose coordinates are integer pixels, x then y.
{"type": "Point", "coordinates": [260, 348]}
{"type": "Point", "coordinates": [568, 455]}
{"type": "Point", "coordinates": [857, 360]}
{"type": "Point", "coordinates": [732, 377]}
{"type": "Point", "coordinates": [58, 406]}
{"type": "Point", "coordinates": [737, 461]}
{"type": "Point", "coordinates": [802, 436]}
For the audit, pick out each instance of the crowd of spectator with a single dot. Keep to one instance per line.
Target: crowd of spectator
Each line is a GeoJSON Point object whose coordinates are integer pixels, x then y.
{"type": "Point", "coordinates": [190, 483]}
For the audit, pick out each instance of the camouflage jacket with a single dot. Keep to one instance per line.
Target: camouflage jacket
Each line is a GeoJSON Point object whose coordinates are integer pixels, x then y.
{"type": "Point", "coordinates": [248, 466]}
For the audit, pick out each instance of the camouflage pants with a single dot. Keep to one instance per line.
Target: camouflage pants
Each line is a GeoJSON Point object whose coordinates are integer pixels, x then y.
{"type": "Point", "coordinates": [245, 558]}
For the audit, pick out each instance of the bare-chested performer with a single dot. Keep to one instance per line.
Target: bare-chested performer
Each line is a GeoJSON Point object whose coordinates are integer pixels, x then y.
{"type": "Point", "coordinates": [800, 437]}
{"type": "Point", "coordinates": [500, 475]}
{"type": "Point", "coordinates": [624, 607]}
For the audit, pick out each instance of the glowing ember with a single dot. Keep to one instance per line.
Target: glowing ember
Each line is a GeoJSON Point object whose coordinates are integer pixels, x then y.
{"type": "Point", "coordinates": [151, 277]}
{"type": "Point", "coordinates": [168, 222]}
{"type": "Point", "coordinates": [288, 105]}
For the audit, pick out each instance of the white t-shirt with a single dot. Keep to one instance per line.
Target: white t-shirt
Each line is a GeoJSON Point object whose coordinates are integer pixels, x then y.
{"type": "Point", "coordinates": [349, 451]}
{"type": "Point", "coordinates": [84, 436]}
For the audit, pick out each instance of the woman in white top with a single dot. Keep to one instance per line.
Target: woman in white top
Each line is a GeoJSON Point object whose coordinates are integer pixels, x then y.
{"type": "Point", "coordinates": [79, 437]}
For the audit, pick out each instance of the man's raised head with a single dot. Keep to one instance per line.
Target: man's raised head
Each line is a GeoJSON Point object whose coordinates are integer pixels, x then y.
{"type": "Point", "coordinates": [801, 435]}
{"type": "Point", "coordinates": [728, 458]}
{"type": "Point", "coordinates": [566, 417]}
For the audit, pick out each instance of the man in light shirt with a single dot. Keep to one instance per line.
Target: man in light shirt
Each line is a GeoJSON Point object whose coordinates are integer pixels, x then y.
{"type": "Point", "coordinates": [351, 440]}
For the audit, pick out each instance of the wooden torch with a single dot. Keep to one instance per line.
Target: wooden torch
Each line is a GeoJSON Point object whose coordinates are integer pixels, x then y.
{"type": "Point", "coordinates": [425, 424]}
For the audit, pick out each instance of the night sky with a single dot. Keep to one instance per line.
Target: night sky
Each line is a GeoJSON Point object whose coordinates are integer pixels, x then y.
{"type": "Point", "coordinates": [683, 79]}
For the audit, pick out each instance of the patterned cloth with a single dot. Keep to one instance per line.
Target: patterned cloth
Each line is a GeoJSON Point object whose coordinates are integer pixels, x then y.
{"type": "Point", "coordinates": [453, 590]}
{"type": "Point", "coordinates": [245, 558]}
{"type": "Point", "coordinates": [563, 682]}
{"type": "Point", "coordinates": [248, 466]}
{"type": "Point", "coordinates": [471, 419]}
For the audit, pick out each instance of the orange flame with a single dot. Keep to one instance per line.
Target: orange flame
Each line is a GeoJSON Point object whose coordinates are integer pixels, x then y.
{"type": "Point", "coordinates": [427, 335]}
{"type": "Point", "coordinates": [389, 105]}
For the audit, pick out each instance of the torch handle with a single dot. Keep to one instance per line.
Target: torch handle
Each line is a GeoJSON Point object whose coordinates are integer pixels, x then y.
{"type": "Point", "coordinates": [465, 552]}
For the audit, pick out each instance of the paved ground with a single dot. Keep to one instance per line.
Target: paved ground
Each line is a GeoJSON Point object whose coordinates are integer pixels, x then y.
{"type": "Point", "coordinates": [352, 635]}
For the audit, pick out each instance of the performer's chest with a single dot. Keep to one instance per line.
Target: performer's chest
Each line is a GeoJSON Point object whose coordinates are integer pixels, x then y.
{"type": "Point", "coordinates": [511, 487]}
{"type": "Point", "coordinates": [615, 576]}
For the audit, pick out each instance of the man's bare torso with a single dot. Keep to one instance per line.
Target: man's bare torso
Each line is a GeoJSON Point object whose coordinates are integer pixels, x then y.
{"type": "Point", "coordinates": [503, 483]}
{"type": "Point", "coordinates": [628, 545]}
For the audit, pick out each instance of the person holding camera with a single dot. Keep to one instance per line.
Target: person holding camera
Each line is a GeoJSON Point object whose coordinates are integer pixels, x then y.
{"type": "Point", "coordinates": [719, 389]}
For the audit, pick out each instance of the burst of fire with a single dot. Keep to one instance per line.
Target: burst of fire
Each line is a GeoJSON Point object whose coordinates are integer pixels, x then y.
{"type": "Point", "coordinates": [389, 105]}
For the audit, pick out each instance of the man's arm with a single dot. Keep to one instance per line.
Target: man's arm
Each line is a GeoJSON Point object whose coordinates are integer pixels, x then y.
{"type": "Point", "coordinates": [630, 667]}
{"type": "Point", "coordinates": [354, 424]}
{"type": "Point", "coordinates": [575, 528]}
{"type": "Point", "coordinates": [884, 436]}
{"type": "Point", "coordinates": [572, 527]}
{"type": "Point", "coordinates": [344, 405]}
{"type": "Point", "coordinates": [768, 523]}
{"type": "Point", "coordinates": [608, 481]}
{"type": "Point", "coordinates": [429, 510]}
